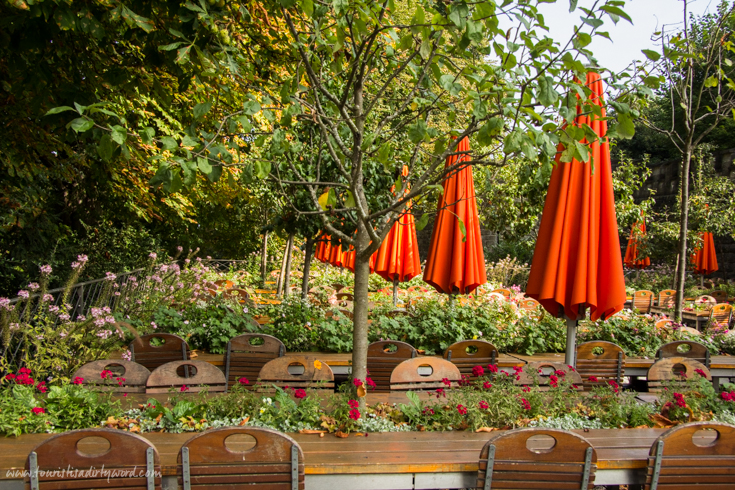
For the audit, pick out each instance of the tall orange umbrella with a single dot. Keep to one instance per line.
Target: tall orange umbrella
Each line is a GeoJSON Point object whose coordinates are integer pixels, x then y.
{"type": "Point", "coordinates": [398, 256]}
{"type": "Point", "coordinates": [323, 248]}
{"type": "Point", "coordinates": [577, 262]}
{"type": "Point", "coordinates": [704, 257]}
{"type": "Point", "coordinates": [456, 263]}
{"type": "Point", "coordinates": [349, 260]}
{"type": "Point", "coordinates": [632, 259]}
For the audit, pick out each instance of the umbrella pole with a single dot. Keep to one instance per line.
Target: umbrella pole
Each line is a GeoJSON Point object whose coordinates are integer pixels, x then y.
{"type": "Point", "coordinates": [701, 280]}
{"type": "Point", "coordinates": [395, 291]}
{"type": "Point", "coordinates": [569, 358]}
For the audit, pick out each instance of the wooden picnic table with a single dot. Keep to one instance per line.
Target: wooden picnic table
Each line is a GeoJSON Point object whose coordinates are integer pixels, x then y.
{"type": "Point", "coordinates": [398, 460]}
{"type": "Point", "coordinates": [688, 316]}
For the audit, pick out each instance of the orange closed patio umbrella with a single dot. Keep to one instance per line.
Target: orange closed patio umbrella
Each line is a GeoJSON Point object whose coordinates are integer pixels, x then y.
{"type": "Point", "coordinates": [349, 260]}
{"type": "Point", "coordinates": [577, 262]}
{"type": "Point", "coordinates": [456, 263]}
{"type": "Point", "coordinates": [704, 257]}
{"type": "Point", "coordinates": [632, 258]}
{"type": "Point", "coordinates": [323, 248]}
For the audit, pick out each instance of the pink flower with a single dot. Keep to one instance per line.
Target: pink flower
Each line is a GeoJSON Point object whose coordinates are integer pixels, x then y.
{"type": "Point", "coordinates": [353, 403]}
{"type": "Point", "coordinates": [243, 381]}
{"type": "Point", "coordinates": [354, 414]}
{"type": "Point", "coordinates": [477, 371]}
{"type": "Point", "coordinates": [462, 409]}
{"type": "Point", "coordinates": [78, 380]}
{"type": "Point", "coordinates": [184, 388]}
{"type": "Point", "coordinates": [487, 385]}
{"type": "Point", "coordinates": [484, 405]}
{"type": "Point", "coordinates": [357, 382]}
{"type": "Point", "coordinates": [299, 394]}
{"type": "Point", "coordinates": [38, 410]}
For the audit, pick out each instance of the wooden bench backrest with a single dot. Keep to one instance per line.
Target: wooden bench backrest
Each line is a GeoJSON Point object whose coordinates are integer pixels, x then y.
{"type": "Point", "coordinates": [381, 362]}
{"type": "Point", "coordinates": [207, 377]}
{"type": "Point", "coordinates": [719, 295]}
{"type": "Point", "coordinates": [688, 458]}
{"type": "Point", "coordinates": [133, 374]}
{"type": "Point", "coordinates": [245, 360]}
{"type": "Point", "coordinates": [667, 298]}
{"type": "Point", "coordinates": [272, 461]}
{"type": "Point", "coordinates": [609, 365]}
{"type": "Point", "coordinates": [128, 453]}
{"type": "Point", "coordinates": [643, 300]}
{"type": "Point", "coordinates": [150, 356]}
{"type": "Point", "coordinates": [458, 355]}
{"type": "Point", "coordinates": [224, 283]}
{"type": "Point", "coordinates": [316, 373]}
{"type": "Point", "coordinates": [505, 293]}
{"type": "Point", "coordinates": [696, 351]}
{"type": "Point", "coordinates": [720, 315]}
{"type": "Point", "coordinates": [662, 372]}
{"type": "Point", "coordinates": [406, 377]}
{"type": "Point", "coordinates": [237, 294]}
{"type": "Point", "coordinates": [533, 308]}
{"type": "Point", "coordinates": [530, 375]}
{"type": "Point", "coordinates": [508, 462]}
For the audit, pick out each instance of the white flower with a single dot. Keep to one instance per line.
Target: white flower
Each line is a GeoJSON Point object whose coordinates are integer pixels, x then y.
{"type": "Point", "coordinates": [153, 255]}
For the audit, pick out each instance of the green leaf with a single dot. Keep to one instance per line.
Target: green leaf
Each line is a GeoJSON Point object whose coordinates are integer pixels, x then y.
{"type": "Point", "coordinates": [105, 148]}
{"type": "Point", "coordinates": [288, 3]}
{"type": "Point", "coordinates": [613, 10]}
{"type": "Point", "coordinates": [201, 109]}
{"type": "Point", "coordinates": [262, 169]}
{"type": "Point", "coordinates": [625, 127]}
{"type": "Point", "coordinates": [118, 134]}
{"type": "Point", "coordinates": [308, 7]}
{"type": "Point", "coordinates": [417, 132]}
{"type": "Point", "coordinates": [572, 5]}
{"type": "Point", "coordinates": [204, 165]}
{"type": "Point", "coordinates": [134, 20]}
{"type": "Point", "coordinates": [146, 135]}
{"type": "Point", "coordinates": [251, 107]}
{"type": "Point", "coordinates": [170, 47]}
{"type": "Point", "coordinates": [215, 174]}
{"type": "Point", "coordinates": [57, 110]}
{"type": "Point", "coordinates": [350, 200]}
{"type": "Point", "coordinates": [421, 224]}
{"type": "Point", "coordinates": [491, 128]}
{"type": "Point", "coordinates": [169, 143]}
{"type": "Point", "coordinates": [546, 94]}
{"type": "Point", "coordinates": [711, 82]}
{"type": "Point", "coordinates": [81, 124]}
{"type": "Point", "coordinates": [462, 229]}
{"type": "Point", "coordinates": [651, 54]}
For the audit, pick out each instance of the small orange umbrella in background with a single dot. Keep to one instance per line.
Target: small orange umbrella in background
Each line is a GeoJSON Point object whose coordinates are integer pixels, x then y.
{"type": "Point", "coordinates": [577, 262]}
{"type": "Point", "coordinates": [632, 258]}
{"type": "Point", "coordinates": [456, 262]}
{"type": "Point", "coordinates": [398, 256]}
{"type": "Point", "coordinates": [704, 257]}
{"type": "Point", "coordinates": [323, 248]}
{"type": "Point", "coordinates": [349, 260]}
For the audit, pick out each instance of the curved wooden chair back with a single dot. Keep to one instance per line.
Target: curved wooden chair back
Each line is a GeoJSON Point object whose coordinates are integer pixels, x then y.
{"type": "Point", "coordinates": [338, 286]}
{"type": "Point", "coordinates": [688, 457]}
{"type": "Point", "coordinates": [663, 324]}
{"type": "Point", "coordinates": [505, 293]}
{"type": "Point", "coordinates": [522, 459]}
{"type": "Point", "coordinates": [224, 284]}
{"type": "Point", "coordinates": [345, 300]}
{"type": "Point", "coordinates": [667, 298]}
{"type": "Point", "coordinates": [409, 375]}
{"type": "Point", "coordinates": [533, 308]}
{"type": "Point", "coordinates": [685, 348]}
{"type": "Point", "coordinates": [643, 300]}
{"type": "Point", "coordinates": [719, 295]}
{"type": "Point", "coordinates": [705, 299]}
{"type": "Point", "coordinates": [336, 313]}
{"type": "Point", "coordinates": [383, 358]}
{"type": "Point", "coordinates": [398, 313]}
{"type": "Point", "coordinates": [229, 458]}
{"type": "Point", "coordinates": [179, 374]}
{"type": "Point", "coordinates": [131, 460]}
{"type": "Point", "coordinates": [173, 348]}
{"type": "Point", "coordinates": [240, 295]}
{"type": "Point", "coordinates": [538, 374]}
{"type": "Point", "coordinates": [127, 376]}
{"type": "Point", "coordinates": [605, 366]}
{"type": "Point", "coordinates": [720, 315]}
{"type": "Point", "coordinates": [316, 373]}
{"type": "Point", "coordinates": [211, 292]}
{"type": "Point", "coordinates": [247, 354]}
{"type": "Point", "coordinates": [470, 353]}
{"type": "Point", "coordinates": [668, 371]}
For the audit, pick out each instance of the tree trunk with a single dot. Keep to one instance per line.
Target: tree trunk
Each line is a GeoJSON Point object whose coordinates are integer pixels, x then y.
{"type": "Point", "coordinates": [308, 253]}
{"type": "Point", "coordinates": [264, 260]}
{"type": "Point", "coordinates": [282, 274]}
{"type": "Point", "coordinates": [360, 312]}
{"type": "Point", "coordinates": [289, 253]}
{"type": "Point", "coordinates": [683, 225]}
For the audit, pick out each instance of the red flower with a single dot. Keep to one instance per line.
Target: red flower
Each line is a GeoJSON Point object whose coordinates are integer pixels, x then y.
{"type": "Point", "coordinates": [353, 403]}
{"type": "Point", "coordinates": [446, 381]}
{"type": "Point", "coordinates": [518, 369]}
{"type": "Point", "coordinates": [560, 373]}
{"type": "Point", "coordinates": [78, 380]}
{"type": "Point", "coordinates": [370, 383]}
{"type": "Point", "coordinates": [679, 400]}
{"type": "Point", "coordinates": [526, 389]}
{"type": "Point", "coordinates": [492, 368]}
{"type": "Point", "coordinates": [184, 388]}
{"type": "Point", "coordinates": [465, 381]}
{"type": "Point", "coordinates": [487, 385]}
{"type": "Point", "coordinates": [354, 414]}
{"type": "Point", "coordinates": [613, 385]}
{"type": "Point", "coordinates": [553, 381]}
{"type": "Point", "coordinates": [700, 372]}
{"type": "Point", "coordinates": [484, 405]}
{"type": "Point", "coordinates": [243, 381]}
{"type": "Point", "coordinates": [299, 394]}
{"type": "Point", "coordinates": [357, 382]}
{"type": "Point", "coordinates": [525, 404]}
{"type": "Point", "coordinates": [38, 410]}
{"type": "Point", "coordinates": [10, 376]}
{"type": "Point", "coordinates": [24, 370]}
{"type": "Point", "coordinates": [461, 409]}
{"type": "Point", "coordinates": [106, 374]}
{"type": "Point", "coordinates": [440, 392]}
{"type": "Point", "coordinates": [428, 411]}
{"type": "Point", "coordinates": [593, 379]}
{"type": "Point", "coordinates": [42, 387]}
{"type": "Point", "coordinates": [728, 397]}
{"type": "Point", "coordinates": [477, 371]}
{"type": "Point", "coordinates": [120, 381]}
{"type": "Point", "coordinates": [571, 368]}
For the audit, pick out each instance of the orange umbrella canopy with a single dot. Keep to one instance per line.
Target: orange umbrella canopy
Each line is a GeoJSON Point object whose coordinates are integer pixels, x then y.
{"type": "Point", "coordinates": [632, 259]}
{"type": "Point", "coordinates": [577, 262]}
{"type": "Point", "coordinates": [323, 248]}
{"type": "Point", "coordinates": [456, 263]}
{"type": "Point", "coordinates": [349, 260]}
{"type": "Point", "coordinates": [704, 257]}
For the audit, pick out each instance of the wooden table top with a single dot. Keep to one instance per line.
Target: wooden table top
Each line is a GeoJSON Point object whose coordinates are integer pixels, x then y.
{"type": "Point", "coordinates": [689, 315]}
{"type": "Point", "coordinates": [396, 452]}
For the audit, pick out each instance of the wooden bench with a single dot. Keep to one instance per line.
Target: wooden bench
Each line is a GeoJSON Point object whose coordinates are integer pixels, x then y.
{"type": "Point", "coordinates": [247, 354]}
{"type": "Point", "coordinates": [126, 377]}
{"type": "Point", "coordinates": [470, 353]}
{"type": "Point", "coordinates": [643, 300]}
{"type": "Point", "coordinates": [316, 374]}
{"type": "Point", "coordinates": [171, 348]}
{"type": "Point", "coordinates": [406, 376]}
{"type": "Point", "coordinates": [533, 375]}
{"type": "Point", "coordinates": [382, 357]}
{"type": "Point", "coordinates": [192, 376]}
{"type": "Point", "coordinates": [605, 366]}
{"type": "Point", "coordinates": [685, 348]}
{"type": "Point", "coordinates": [667, 298]}
{"type": "Point", "coordinates": [668, 371]}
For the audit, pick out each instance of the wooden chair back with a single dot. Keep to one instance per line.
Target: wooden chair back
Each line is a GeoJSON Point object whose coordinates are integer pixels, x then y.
{"type": "Point", "coordinates": [224, 284]}
{"type": "Point", "coordinates": [383, 357]}
{"type": "Point", "coordinates": [685, 348]}
{"type": "Point", "coordinates": [130, 460]}
{"type": "Point", "coordinates": [505, 293]}
{"type": "Point", "coordinates": [408, 375]}
{"type": "Point", "coordinates": [316, 373]}
{"type": "Point", "coordinates": [229, 458]}
{"type": "Point", "coordinates": [127, 376]}
{"type": "Point", "coordinates": [668, 371]}
{"type": "Point", "coordinates": [667, 298]}
{"type": "Point", "coordinates": [605, 366]}
{"type": "Point", "coordinates": [688, 457]}
{"type": "Point", "coordinates": [664, 323]}
{"type": "Point", "coordinates": [719, 295]}
{"type": "Point", "coordinates": [247, 354]}
{"type": "Point", "coordinates": [539, 373]}
{"type": "Point", "coordinates": [240, 295]}
{"type": "Point", "coordinates": [720, 315]}
{"type": "Point", "coordinates": [706, 299]}
{"type": "Point", "coordinates": [522, 459]}
{"type": "Point", "coordinates": [191, 376]}
{"type": "Point", "coordinates": [532, 308]}
{"type": "Point", "coordinates": [643, 300]}
{"type": "Point", "coordinates": [173, 348]}
{"type": "Point", "coordinates": [398, 313]}
{"type": "Point", "coordinates": [336, 313]}
{"type": "Point", "coordinates": [345, 300]}
{"type": "Point", "coordinates": [470, 353]}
